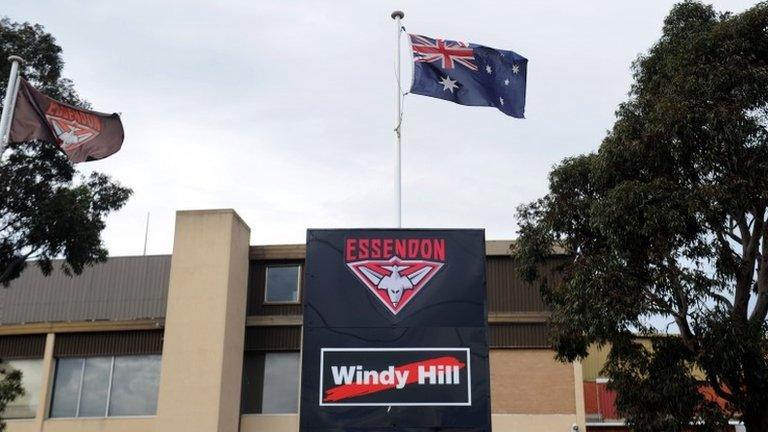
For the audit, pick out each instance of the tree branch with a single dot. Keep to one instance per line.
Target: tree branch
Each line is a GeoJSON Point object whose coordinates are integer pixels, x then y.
{"type": "Point", "coordinates": [14, 264]}
{"type": "Point", "coordinates": [744, 279]}
{"type": "Point", "coordinates": [741, 222]}
{"type": "Point", "coordinates": [761, 307]}
{"type": "Point", "coordinates": [720, 236]}
{"type": "Point", "coordinates": [660, 302]}
{"type": "Point", "coordinates": [681, 318]}
{"type": "Point", "coordinates": [721, 298]}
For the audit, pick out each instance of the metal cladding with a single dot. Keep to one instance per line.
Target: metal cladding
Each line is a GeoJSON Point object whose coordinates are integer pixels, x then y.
{"type": "Point", "coordinates": [122, 288]}
{"type": "Point", "coordinates": [140, 342]}
{"type": "Point", "coordinates": [22, 346]}
{"type": "Point", "coordinates": [508, 292]}
{"type": "Point", "coordinates": [395, 331]}
{"type": "Point", "coordinates": [273, 338]}
{"type": "Point", "coordinates": [519, 335]}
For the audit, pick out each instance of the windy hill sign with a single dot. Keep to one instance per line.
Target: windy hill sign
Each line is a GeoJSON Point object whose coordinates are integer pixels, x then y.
{"type": "Point", "coordinates": [395, 331]}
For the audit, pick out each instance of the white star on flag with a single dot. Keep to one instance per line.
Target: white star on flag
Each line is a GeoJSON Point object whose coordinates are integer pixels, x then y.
{"type": "Point", "coordinates": [515, 68]}
{"type": "Point", "coordinates": [501, 99]}
{"type": "Point", "coordinates": [448, 83]}
{"type": "Point", "coordinates": [506, 81]}
{"type": "Point", "coordinates": [488, 69]}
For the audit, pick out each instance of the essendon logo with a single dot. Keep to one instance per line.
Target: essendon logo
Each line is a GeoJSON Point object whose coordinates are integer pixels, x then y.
{"type": "Point", "coordinates": [394, 270]}
{"type": "Point", "coordinates": [73, 127]}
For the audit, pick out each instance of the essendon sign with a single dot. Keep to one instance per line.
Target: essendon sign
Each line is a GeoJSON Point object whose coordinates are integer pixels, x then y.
{"type": "Point", "coordinates": [384, 248]}
{"type": "Point", "coordinates": [395, 331]}
{"type": "Point", "coordinates": [395, 270]}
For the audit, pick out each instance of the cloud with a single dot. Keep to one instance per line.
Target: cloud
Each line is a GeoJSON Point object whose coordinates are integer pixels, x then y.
{"type": "Point", "coordinates": [284, 110]}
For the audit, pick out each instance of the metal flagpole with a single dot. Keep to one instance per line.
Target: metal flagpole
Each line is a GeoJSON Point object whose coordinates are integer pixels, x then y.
{"type": "Point", "coordinates": [397, 16]}
{"type": "Point", "coordinates": [146, 234]}
{"type": "Point", "coordinates": [9, 103]}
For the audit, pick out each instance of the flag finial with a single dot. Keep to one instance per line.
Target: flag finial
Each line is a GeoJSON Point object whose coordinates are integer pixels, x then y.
{"type": "Point", "coordinates": [398, 14]}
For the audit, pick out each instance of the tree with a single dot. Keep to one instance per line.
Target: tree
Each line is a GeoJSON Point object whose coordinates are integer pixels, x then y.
{"type": "Point", "coordinates": [668, 219]}
{"type": "Point", "coordinates": [47, 209]}
{"type": "Point", "coordinates": [10, 388]}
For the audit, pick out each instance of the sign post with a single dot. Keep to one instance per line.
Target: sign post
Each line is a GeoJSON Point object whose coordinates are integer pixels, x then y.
{"type": "Point", "coordinates": [395, 331]}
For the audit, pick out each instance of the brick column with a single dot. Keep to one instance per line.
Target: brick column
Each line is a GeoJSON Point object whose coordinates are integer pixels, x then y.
{"type": "Point", "coordinates": [205, 323]}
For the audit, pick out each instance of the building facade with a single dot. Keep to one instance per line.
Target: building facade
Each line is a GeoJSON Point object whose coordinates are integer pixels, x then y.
{"type": "Point", "coordinates": [208, 339]}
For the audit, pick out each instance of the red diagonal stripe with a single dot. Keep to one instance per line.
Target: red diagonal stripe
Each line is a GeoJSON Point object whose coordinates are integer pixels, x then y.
{"type": "Point", "coordinates": [347, 391]}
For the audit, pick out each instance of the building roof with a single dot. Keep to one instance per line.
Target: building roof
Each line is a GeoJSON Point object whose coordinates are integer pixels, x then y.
{"type": "Point", "coordinates": [122, 288]}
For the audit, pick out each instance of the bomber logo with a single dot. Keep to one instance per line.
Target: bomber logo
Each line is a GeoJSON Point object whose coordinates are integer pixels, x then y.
{"type": "Point", "coordinates": [395, 270]}
{"type": "Point", "coordinates": [73, 127]}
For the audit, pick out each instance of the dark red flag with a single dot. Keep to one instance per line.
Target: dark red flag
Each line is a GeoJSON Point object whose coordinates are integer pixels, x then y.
{"type": "Point", "coordinates": [82, 134]}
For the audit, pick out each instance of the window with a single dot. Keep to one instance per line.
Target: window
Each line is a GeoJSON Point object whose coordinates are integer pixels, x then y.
{"type": "Point", "coordinates": [135, 383]}
{"type": "Point", "coordinates": [106, 386]}
{"type": "Point", "coordinates": [282, 284]}
{"type": "Point", "coordinates": [271, 383]}
{"type": "Point", "coordinates": [31, 372]}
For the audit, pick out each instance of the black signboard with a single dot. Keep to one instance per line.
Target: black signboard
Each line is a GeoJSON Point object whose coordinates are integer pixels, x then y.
{"type": "Point", "coordinates": [395, 331]}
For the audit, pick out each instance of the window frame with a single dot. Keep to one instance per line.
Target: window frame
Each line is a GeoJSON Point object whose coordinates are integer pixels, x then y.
{"type": "Point", "coordinates": [298, 284]}
{"type": "Point", "coordinates": [80, 389]}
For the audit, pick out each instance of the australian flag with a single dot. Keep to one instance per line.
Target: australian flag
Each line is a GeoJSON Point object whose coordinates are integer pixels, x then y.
{"type": "Point", "coordinates": [469, 74]}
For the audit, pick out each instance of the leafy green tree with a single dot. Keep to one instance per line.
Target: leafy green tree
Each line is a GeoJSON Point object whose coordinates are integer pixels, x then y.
{"type": "Point", "coordinates": [47, 208]}
{"type": "Point", "coordinates": [10, 388]}
{"type": "Point", "coordinates": [668, 220]}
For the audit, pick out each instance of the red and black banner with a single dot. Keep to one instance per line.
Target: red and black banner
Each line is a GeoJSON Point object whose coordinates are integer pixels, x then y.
{"type": "Point", "coordinates": [82, 134]}
{"type": "Point", "coordinates": [395, 331]}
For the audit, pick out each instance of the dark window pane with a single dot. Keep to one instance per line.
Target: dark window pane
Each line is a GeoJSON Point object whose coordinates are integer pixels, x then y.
{"type": "Point", "coordinates": [253, 377]}
{"type": "Point", "coordinates": [25, 406]}
{"type": "Point", "coordinates": [282, 284]}
{"type": "Point", "coordinates": [135, 381]}
{"type": "Point", "coordinates": [93, 401]}
{"type": "Point", "coordinates": [281, 383]}
{"type": "Point", "coordinates": [66, 387]}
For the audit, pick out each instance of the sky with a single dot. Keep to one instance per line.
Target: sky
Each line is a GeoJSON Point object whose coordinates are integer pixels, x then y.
{"type": "Point", "coordinates": [284, 110]}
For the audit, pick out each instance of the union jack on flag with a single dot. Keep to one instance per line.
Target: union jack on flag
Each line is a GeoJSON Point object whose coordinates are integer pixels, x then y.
{"type": "Point", "coordinates": [469, 74]}
{"type": "Point", "coordinates": [428, 50]}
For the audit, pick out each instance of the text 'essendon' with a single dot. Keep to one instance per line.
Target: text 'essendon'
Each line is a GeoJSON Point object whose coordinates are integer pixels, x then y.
{"type": "Point", "coordinates": [384, 248]}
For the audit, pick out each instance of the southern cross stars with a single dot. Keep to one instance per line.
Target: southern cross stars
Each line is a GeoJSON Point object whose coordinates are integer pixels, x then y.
{"type": "Point", "coordinates": [448, 83]}
{"type": "Point", "coordinates": [515, 69]}
{"type": "Point", "coordinates": [506, 81]}
{"type": "Point", "coordinates": [488, 68]}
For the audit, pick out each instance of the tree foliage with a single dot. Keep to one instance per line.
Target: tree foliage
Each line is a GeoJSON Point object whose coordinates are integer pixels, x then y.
{"type": "Point", "coordinates": [668, 219]}
{"type": "Point", "coordinates": [10, 388]}
{"type": "Point", "coordinates": [48, 209]}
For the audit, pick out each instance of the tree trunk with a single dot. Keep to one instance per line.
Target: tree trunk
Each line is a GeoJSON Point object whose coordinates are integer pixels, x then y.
{"type": "Point", "coordinates": [756, 421]}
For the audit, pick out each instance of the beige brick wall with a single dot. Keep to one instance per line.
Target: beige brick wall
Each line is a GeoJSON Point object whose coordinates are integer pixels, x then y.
{"type": "Point", "coordinates": [531, 381]}
{"type": "Point", "coordinates": [204, 324]}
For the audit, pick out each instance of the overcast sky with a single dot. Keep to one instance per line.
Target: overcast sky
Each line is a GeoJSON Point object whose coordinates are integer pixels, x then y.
{"type": "Point", "coordinates": [284, 110]}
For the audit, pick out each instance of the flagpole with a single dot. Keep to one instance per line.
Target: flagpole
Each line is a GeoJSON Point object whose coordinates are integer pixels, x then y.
{"type": "Point", "coordinates": [9, 103]}
{"type": "Point", "coordinates": [146, 234]}
{"type": "Point", "coordinates": [397, 16]}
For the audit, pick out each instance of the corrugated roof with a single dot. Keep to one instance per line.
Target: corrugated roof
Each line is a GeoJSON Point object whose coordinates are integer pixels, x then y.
{"type": "Point", "coordinates": [123, 288]}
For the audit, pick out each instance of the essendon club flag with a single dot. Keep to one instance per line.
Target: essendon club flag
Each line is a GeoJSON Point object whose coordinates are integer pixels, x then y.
{"type": "Point", "coordinates": [82, 134]}
{"type": "Point", "coordinates": [395, 331]}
